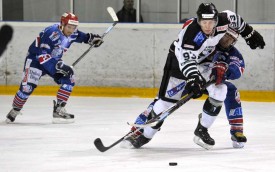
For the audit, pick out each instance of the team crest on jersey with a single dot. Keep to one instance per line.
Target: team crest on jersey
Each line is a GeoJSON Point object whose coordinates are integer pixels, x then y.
{"type": "Point", "coordinates": [199, 39]}
{"type": "Point", "coordinates": [54, 36]}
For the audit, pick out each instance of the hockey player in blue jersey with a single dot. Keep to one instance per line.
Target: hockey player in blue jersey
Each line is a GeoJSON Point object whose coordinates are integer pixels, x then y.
{"type": "Point", "coordinates": [45, 58]}
{"type": "Point", "coordinates": [196, 42]}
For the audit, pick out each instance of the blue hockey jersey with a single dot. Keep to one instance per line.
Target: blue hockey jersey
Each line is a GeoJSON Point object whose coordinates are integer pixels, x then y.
{"type": "Point", "coordinates": [49, 46]}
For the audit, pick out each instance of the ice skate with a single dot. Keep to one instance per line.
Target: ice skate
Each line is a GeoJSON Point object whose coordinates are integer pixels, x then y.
{"type": "Point", "coordinates": [60, 116]}
{"type": "Point", "coordinates": [238, 140]}
{"type": "Point", "coordinates": [12, 115]}
{"type": "Point", "coordinates": [202, 137]}
{"type": "Point", "coordinates": [135, 140]}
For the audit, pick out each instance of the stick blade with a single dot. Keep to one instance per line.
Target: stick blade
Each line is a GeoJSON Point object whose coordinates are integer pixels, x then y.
{"type": "Point", "coordinates": [99, 145]}
{"type": "Point", "coordinates": [112, 13]}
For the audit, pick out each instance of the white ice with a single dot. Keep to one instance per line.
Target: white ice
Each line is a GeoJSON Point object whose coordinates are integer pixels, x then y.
{"type": "Point", "coordinates": [34, 144]}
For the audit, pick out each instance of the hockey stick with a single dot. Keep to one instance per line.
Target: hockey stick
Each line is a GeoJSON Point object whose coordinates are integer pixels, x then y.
{"type": "Point", "coordinates": [155, 120]}
{"type": "Point", "coordinates": [115, 19]}
{"type": "Point", "coordinates": [164, 114]}
{"type": "Point", "coordinates": [99, 145]}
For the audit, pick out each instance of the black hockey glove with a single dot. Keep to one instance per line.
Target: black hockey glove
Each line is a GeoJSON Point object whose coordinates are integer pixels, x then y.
{"type": "Point", "coordinates": [254, 40]}
{"type": "Point", "coordinates": [194, 84]}
{"type": "Point", "coordinates": [94, 39]}
{"type": "Point", "coordinates": [64, 69]}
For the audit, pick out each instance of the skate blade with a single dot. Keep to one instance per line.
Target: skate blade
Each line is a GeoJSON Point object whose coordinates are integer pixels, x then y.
{"type": "Point", "coordinates": [238, 145]}
{"type": "Point", "coordinates": [62, 121]}
{"type": "Point", "coordinates": [125, 144]}
{"type": "Point", "coordinates": [8, 121]}
{"type": "Point", "coordinates": [199, 142]}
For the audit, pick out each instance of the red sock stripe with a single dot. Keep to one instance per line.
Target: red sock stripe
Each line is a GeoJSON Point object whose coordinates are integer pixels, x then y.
{"type": "Point", "coordinates": [18, 102]}
{"type": "Point", "coordinates": [63, 95]}
{"type": "Point", "coordinates": [65, 92]}
{"type": "Point", "coordinates": [237, 128]}
{"type": "Point", "coordinates": [236, 121]}
{"type": "Point", "coordinates": [62, 98]}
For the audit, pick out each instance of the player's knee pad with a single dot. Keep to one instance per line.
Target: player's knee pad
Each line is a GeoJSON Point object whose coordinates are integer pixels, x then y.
{"type": "Point", "coordinates": [68, 80]}
{"type": "Point", "coordinates": [212, 107]}
{"type": "Point", "coordinates": [60, 79]}
{"type": "Point", "coordinates": [27, 89]}
{"type": "Point", "coordinates": [217, 92]}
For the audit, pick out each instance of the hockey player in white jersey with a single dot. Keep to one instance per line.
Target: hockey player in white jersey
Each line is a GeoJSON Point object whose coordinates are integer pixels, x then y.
{"type": "Point", "coordinates": [196, 41]}
{"type": "Point", "coordinates": [45, 58]}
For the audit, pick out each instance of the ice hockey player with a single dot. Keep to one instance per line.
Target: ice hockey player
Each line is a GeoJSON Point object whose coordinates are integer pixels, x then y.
{"type": "Point", "coordinates": [226, 64]}
{"type": "Point", "coordinates": [196, 41]}
{"type": "Point", "coordinates": [45, 57]}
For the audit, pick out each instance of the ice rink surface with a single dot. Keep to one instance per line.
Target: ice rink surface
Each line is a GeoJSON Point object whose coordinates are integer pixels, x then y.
{"type": "Point", "coordinates": [34, 144]}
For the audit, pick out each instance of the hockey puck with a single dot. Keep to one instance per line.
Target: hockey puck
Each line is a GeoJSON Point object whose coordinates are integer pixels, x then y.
{"type": "Point", "coordinates": [173, 163]}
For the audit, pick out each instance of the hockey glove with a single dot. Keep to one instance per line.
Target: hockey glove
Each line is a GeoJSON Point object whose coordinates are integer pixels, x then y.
{"type": "Point", "coordinates": [254, 40]}
{"type": "Point", "coordinates": [218, 72]}
{"type": "Point", "coordinates": [64, 69]}
{"type": "Point", "coordinates": [194, 84]}
{"type": "Point", "coordinates": [94, 39]}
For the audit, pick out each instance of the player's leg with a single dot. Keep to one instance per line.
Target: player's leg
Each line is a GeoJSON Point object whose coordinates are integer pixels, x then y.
{"type": "Point", "coordinates": [60, 115]}
{"type": "Point", "coordinates": [171, 90]}
{"type": "Point", "coordinates": [31, 76]}
{"type": "Point", "coordinates": [211, 109]}
{"type": "Point", "coordinates": [234, 115]}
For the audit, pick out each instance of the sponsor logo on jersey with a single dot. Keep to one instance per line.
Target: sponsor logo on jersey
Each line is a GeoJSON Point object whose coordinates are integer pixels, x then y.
{"type": "Point", "coordinates": [34, 75]}
{"type": "Point", "coordinates": [188, 46]}
{"type": "Point", "coordinates": [54, 36]}
{"type": "Point", "coordinates": [176, 89]}
{"type": "Point", "coordinates": [199, 38]}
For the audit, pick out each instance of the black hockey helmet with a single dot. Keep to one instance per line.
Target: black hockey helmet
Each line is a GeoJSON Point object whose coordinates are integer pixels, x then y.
{"type": "Point", "coordinates": [207, 11]}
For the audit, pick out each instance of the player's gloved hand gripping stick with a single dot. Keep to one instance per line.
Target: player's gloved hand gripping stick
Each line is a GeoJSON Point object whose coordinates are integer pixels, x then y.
{"type": "Point", "coordinates": [115, 19]}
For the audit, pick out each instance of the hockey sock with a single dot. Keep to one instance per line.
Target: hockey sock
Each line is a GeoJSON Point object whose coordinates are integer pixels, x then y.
{"type": "Point", "coordinates": [64, 93]}
{"type": "Point", "coordinates": [236, 125]}
{"type": "Point", "coordinates": [19, 100]}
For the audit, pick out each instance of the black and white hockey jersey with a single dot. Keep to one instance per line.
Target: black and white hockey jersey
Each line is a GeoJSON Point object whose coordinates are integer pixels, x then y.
{"type": "Point", "coordinates": [193, 46]}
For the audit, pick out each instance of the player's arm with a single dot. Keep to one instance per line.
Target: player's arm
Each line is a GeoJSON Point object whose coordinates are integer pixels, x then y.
{"type": "Point", "coordinates": [236, 65]}
{"type": "Point", "coordinates": [89, 38]}
{"type": "Point", "coordinates": [45, 46]}
{"type": "Point", "coordinates": [187, 58]}
{"type": "Point", "coordinates": [253, 38]}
